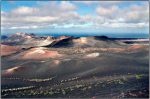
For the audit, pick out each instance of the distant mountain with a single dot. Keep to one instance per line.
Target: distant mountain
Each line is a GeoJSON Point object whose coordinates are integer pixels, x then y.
{"type": "Point", "coordinates": [96, 41]}
{"type": "Point", "coordinates": [102, 37]}
{"type": "Point", "coordinates": [31, 40]}
{"type": "Point", "coordinates": [17, 38]}
{"type": "Point", "coordinates": [27, 40]}
{"type": "Point", "coordinates": [3, 37]}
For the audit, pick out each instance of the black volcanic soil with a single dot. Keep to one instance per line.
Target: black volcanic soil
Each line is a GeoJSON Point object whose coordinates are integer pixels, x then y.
{"type": "Point", "coordinates": [116, 70]}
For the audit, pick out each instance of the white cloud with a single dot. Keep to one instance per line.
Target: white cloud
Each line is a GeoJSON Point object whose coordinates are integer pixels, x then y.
{"type": "Point", "coordinates": [67, 6]}
{"type": "Point", "coordinates": [86, 2]}
{"type": "Point", "coordinates": [125, 25]}
{"type": "Point", "coordinates": [40, 19]}
{"type": "Point", "coordinates": [43, 14]}
{"type": "Point", "coordinates": [135, 14]}
{"type": "Point", "coordinates": [104, 3]}
{"type": "Point", "coordinates": [24, 27]}
{"type": "Point", "coordinates": [65, 15]}
{"type": "Point", "coordinates": [24, 10]}
{"type": "Point", "coordinates": [107, 12]}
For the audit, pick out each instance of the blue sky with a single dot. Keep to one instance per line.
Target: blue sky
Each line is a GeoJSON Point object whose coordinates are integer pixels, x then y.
{"type": "Point", "coordinates": [95, 17]}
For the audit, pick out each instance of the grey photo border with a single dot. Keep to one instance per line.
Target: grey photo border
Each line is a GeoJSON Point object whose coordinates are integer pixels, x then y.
{"type": "Point", "coordinates": [75, 0]}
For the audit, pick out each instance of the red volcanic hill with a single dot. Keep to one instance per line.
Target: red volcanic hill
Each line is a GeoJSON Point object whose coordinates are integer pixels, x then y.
{"type": "Point", "coordinates": [37, 54]}
{"type": "Point", "coordinates": [7, 50]}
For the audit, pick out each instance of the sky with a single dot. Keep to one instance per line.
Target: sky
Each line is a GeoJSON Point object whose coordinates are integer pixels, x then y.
{"type": "Point", "coordinates": [75, 17]}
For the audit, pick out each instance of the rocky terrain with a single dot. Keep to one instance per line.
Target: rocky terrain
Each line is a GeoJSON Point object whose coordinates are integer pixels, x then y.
{"type": "Point", "coordinates": [74, 67]}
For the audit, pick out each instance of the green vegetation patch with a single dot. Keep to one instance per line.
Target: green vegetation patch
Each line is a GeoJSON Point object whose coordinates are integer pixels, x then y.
{"type": "Point", "coordinates": [139, 76]}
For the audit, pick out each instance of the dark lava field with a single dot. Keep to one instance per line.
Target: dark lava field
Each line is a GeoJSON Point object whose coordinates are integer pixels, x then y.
{"type": "Point", "coordinates": [74, 67]}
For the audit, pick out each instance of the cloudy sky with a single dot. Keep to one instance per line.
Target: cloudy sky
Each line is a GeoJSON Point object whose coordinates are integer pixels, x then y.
{"type": "Point", "coordinates": [75, 16]}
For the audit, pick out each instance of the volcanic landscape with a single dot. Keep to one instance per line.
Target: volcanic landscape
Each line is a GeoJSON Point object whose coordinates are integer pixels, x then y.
{"type": "Point", "coordinates": [74, 67]}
